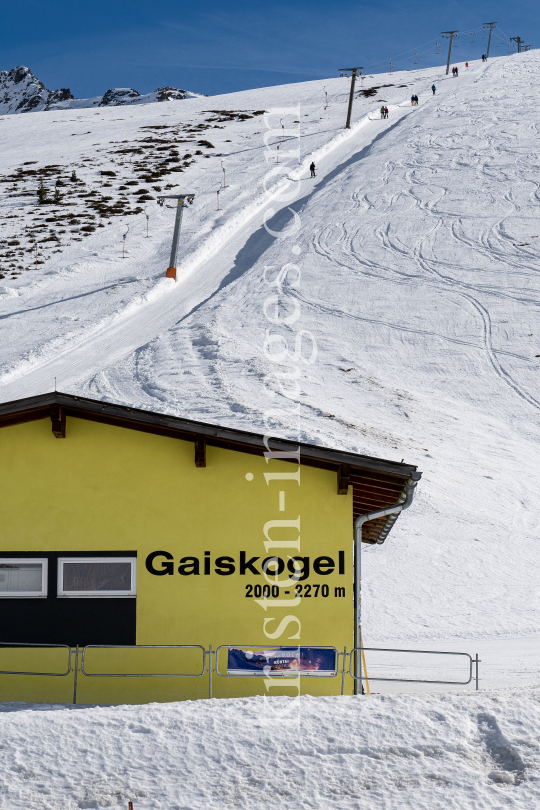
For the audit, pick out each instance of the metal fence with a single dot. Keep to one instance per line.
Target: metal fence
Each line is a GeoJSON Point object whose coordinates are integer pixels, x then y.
{"type": "Point", "coordinates": [142, 647]}
{"type": "Point", "coordinates": [25, 645]}
{"type": "Point", "coordinates": [210, 664]}
{"type": "Point", "coordinates": [87, 674]}
{"type": "Point", "coordinates": [473, 664]}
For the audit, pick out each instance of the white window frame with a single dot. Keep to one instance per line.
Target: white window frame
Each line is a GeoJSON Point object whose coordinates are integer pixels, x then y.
{"type": "Point", "coordinates": [27, 594]}
{"type": "Point", "coordinates": [97, 594]}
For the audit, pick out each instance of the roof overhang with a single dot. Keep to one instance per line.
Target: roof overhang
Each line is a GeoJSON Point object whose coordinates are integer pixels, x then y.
{"type": "Point", "coordinates": [376, 482]}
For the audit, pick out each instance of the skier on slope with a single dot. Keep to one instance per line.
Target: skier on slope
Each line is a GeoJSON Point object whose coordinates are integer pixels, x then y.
{"type": "Point", "coordinates": [382, 111]}
{"type": "Point", "coordinates": [312, 169]}
{"type": "Point", "coordinates": [412, 100]}
{"type": "Point", "coordinates": [456, 72]}
{"type": "Point", "coordinates": [386, 112]}
{"type": "Point", "coordinates": [433, 88]}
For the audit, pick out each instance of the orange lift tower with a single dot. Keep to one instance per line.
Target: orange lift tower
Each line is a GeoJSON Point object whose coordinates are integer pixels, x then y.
{"type": "Point", "coordinates": [181, 200]}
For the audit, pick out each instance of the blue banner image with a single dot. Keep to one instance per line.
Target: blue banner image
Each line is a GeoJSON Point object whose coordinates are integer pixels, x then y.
{"type": "Point", "coordinates": [282, 661]}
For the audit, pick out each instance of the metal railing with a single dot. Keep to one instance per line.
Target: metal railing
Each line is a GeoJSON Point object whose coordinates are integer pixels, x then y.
{"type": "Point", "coordinates": [210, 666]}
{"type": "Point", "coordinates": [138, 674]}
{"type": "Point", "coordinates": [473, 663]}
{"type": "Point", "coordinates": [42, 646]}
{"type": "Point", "coordinates": [142, 647]}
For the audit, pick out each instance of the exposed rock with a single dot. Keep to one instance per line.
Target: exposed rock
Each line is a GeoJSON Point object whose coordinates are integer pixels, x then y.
{"type": "Point", "coordinates": [172, 94]}
{"type": "Point", "coordinates": [118, 96]}
{"type": "Point", "coordinates": [21, 92]}
{"type": "Point", "coordinates": [60, 95]}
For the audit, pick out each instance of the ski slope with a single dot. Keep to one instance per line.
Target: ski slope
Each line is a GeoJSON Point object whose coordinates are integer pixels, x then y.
{"type": "Point", "coordinates": [117, 288]}
{"type": "Point", "coordinates": [417, 245]}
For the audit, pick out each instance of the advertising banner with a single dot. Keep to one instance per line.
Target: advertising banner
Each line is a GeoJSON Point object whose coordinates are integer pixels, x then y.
{"type": "Point", "coordinates": [282, 661]}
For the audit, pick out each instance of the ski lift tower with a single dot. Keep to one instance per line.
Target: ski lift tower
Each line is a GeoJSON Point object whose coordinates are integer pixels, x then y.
{"type": "Point", "coordinates": [451, 35]}
{"type": "Point", "coordinates": [491, 26]}
{"type": "Point", "coordinates": [181, 201]}
{"type": "Point", "coordinates": [354, 72]}
{"type": "Point", "coordinates": [519, 43]}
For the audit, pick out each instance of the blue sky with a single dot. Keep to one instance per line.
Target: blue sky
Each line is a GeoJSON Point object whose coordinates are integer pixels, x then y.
{"type": "Point", "coordinates": [213, 47]}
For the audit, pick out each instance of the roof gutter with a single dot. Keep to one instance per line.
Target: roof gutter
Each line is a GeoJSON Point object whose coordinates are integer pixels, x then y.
{"type": "Point", "coordinates": [391, 513]}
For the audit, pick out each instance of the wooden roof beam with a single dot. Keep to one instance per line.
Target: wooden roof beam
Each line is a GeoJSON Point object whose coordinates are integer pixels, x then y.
{"type": "Point", "coordinates": [200, 451]}
{"type": "Point", "coordinates": [58, 419]}
{"type": "Point", "coordinates": [343, 479]}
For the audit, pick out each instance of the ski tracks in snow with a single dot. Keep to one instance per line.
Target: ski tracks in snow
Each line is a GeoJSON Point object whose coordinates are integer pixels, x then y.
{"type": "Point", "coordinates": [411, 223]}
{"type": "Point", "coordinates": [115, 337]}
{"type": "Point", "coordinates": [428, 234]}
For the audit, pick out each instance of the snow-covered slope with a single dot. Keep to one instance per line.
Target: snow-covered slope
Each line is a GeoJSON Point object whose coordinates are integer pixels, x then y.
{"type": "Point", "coordinates": [457, 752]}
{"type": "Point", "coordinates": [417, 249]}
{"type": "Point", "coordinates": [21, 91]}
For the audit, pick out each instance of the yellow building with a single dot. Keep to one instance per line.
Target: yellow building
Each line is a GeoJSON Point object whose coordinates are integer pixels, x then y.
{"type": "Point", "coordinates": [125, 528]}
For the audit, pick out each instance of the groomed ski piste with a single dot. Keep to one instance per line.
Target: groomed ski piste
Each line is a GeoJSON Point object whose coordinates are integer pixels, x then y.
{"type": "Point", "coordinates": [417, 295]}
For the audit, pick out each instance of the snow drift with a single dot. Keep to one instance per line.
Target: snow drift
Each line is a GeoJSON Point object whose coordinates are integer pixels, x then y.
{"type": "Point", "coordinates": [376, 753]}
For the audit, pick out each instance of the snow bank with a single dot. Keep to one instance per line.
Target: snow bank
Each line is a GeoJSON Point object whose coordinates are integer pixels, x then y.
{"type": "Point", "coordinates": [457, 752]}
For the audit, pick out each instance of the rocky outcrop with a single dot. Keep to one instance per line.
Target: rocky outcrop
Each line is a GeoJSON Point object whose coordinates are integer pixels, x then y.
{"type": "Point", "coordinates": [126, 95]}
{"type": "Point", "coordinates": [59, 95]}
{"type": "Point", "coordinates": [172, 94]}
{"type": "Point", "coordinates": [21, 92]}
{"type": "Point", "coordinates": [118, 96]}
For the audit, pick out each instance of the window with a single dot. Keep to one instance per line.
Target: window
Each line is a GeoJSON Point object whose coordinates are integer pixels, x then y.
{"type": "Point", "coordinates": [23, 578]}
{"type": "Point", "coordinates": [97, 576]}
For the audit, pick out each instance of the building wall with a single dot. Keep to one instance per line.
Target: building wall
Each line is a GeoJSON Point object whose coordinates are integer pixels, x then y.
{"type": "Point", "coordinates": [105, 488]}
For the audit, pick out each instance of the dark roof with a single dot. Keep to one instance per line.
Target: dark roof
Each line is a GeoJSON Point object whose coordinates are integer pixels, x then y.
{"type": "Point", "coordinates": [376, 483]}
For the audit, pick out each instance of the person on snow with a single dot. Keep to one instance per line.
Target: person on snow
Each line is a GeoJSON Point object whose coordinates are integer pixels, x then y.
{"type": "Point", "coordinates": [382, 111]}
{"type": "Point", "coordinates": [433, 88]}
{"type": "Point", "coordinates": [386, 112]}
{"type": "Point", "coordinates": [312, 169]}
{"type": "Point", "coordinates": [467, 65]}
{"type": "Point", "coordinates": [456, 71]}
{"type": "Point", "coordinates": [484, 57]}
{"type": "Point", "coordinates": [416, 100]}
